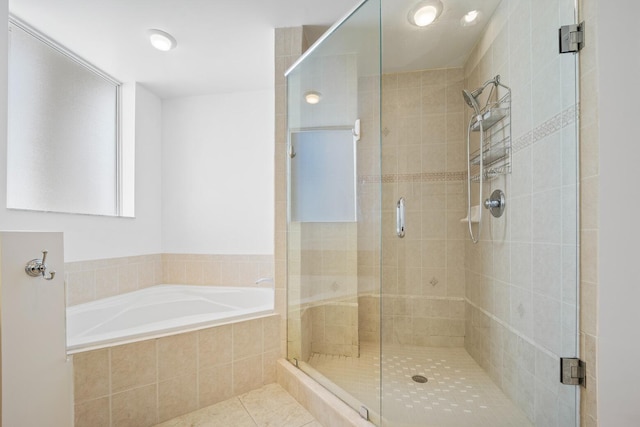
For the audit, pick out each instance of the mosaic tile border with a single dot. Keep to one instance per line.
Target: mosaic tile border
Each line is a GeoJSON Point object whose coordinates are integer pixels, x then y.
{"type": "Point", "coordinates": [413, 177]}
{"type": "Point", "coordinates": [561, 120]}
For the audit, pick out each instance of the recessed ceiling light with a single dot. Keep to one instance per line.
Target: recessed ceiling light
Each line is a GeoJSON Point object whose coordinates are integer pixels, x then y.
{"type": "Point", "coordinates": [470, 18]}
{"type": "Point", "coordinates": [162, 40]}
{"type": "Point", "coordinates": [312, 97]}
{"type": "Point", "coordinates": [425, 13]}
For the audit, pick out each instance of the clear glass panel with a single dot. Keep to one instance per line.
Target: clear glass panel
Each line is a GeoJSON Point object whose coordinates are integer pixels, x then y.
{"type": "Point", "coordinates": [334, 205]}
{"type": "Point", "coordinates": [484, 324]}
{"type": "Point", "coordinates": [63, 132]}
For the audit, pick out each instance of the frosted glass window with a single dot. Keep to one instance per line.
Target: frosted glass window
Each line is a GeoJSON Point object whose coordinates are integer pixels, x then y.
{"type": "Point", "coordinates": [323, 179]}
{"type": "Point", "coordinates": [62, 152]}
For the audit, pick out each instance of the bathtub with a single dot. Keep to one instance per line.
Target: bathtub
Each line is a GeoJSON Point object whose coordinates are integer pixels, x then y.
{"type": "Point", "coordinates": [161, 310]}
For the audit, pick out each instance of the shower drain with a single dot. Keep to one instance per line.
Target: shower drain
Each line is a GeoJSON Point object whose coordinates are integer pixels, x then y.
{"type": "Point", "coordinates": [419, 378]}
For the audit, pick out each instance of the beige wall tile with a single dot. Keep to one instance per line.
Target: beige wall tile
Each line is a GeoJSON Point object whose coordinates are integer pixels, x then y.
{"type": "Point", "coordinates": [589, 256]}
{"type": "Point", "coordinates": [173, 272]}
{"type": "Point", "coordinates": [102, 278]}
{"type": "Point", "coordinates": [80, 287]}
{"type": "Point", "coordinates": [127, 278]}
{"type": "Point", "coordinates": [269, 361]}
{"type": "Point", "coordinates": [93, 413]}
{"type": "Point", "coordinates": [91, 375]}
{"type": "Point", "coordinates": [215, 384]}
{"type": "Point", "coordinates": [215, 346]}
{"type": "Point", "coordinates": [177, 355]}
{"type": "Point", "coordinates": [211, 273]}
{"type": "Point", "coordinates": [247, 374]}
{"type": "Point", "coordinates": [271, 333]}
{"type": "Point", "coordinates": [106, 282]}
{"type": "Point", "coordinates": [135, 408]}
{"type": "Point", "coordinates": [147, 273]}
{"type": "Point", "coordinates": [194, 273]}
{"type": "Point", "coordinates": [133, 365]}
{"type": "Point", "coordinates": [177, 396]}
{"type": "Point", "coordinates": [247, 339]}
{"type": "Point", "coordinates": [230, 274]}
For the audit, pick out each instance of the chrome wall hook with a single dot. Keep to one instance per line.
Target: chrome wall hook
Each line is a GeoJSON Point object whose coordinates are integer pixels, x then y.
{"type": "Point", "coordinates": [38, 267]}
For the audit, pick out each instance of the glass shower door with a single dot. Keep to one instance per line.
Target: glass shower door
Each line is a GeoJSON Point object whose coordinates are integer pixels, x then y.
{"type": "Point", "coordinates": [334, 210]}
{"type": "Point", "coordinates": [472, 332]}
{"type": "Point", "coordinates": [391, 304]}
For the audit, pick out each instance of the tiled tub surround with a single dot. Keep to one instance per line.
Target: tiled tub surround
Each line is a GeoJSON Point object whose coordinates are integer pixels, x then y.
{"type": "Point", "coordinates": [96, 279]}
{"type": "Point", "coordinates": [161, 310]}
{"type": "Point", "coordinates": [148, 382]}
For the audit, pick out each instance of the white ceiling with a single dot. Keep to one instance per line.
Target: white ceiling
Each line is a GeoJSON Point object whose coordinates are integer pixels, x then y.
{"type": "Point", "coordinates": [227, 45]}
{"type": "Point", "coordinates": [445, 43]}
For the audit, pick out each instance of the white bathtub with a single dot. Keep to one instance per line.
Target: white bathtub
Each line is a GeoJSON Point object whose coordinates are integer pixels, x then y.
{"type": "Point", "coordinates": [161, 310]}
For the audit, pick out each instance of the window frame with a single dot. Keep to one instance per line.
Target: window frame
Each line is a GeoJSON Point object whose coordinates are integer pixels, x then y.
{"type": "Point", "coordinates": [119, 203]}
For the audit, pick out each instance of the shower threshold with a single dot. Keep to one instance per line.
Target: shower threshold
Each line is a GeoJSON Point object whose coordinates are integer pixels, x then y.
{"type": "Point", "coordinates": [458, 392]}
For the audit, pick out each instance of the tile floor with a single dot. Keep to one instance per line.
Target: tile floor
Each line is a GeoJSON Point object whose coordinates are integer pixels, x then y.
{"type": "Point", "coordinates": [268, 406]}
{"type": "Point", "coordinates": [458, 392]}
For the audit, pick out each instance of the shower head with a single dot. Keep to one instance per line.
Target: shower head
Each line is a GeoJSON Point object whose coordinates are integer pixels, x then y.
{"type": "Point", "coordinates": [471, 98]}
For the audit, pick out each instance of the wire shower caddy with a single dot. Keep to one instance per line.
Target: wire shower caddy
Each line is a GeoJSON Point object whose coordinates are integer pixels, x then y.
{"type": "Point", "coordinates": [496, 151]}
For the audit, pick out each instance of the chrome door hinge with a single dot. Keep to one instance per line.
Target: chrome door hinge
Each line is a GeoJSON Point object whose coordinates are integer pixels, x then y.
{"type": "Point", "coordinates": [572, 371]}
{"type": "Point", "coordinates": [571, 38]}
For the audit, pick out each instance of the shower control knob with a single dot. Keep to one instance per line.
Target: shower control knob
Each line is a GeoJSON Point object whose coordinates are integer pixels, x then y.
{"type": "Point", "coordinates": [491, 204]}
{"type": "Point", "coordinates": [496, 203]}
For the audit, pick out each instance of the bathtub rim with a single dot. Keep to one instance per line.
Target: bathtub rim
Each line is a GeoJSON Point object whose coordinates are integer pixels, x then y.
{"type": "Point", "coordinates": [176, 330]}
{"type": "Point", "coordinates": [166, 333]}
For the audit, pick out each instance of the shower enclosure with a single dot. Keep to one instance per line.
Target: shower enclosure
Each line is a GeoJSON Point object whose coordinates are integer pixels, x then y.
{"type": "Point", "coordinates": [407, 298]}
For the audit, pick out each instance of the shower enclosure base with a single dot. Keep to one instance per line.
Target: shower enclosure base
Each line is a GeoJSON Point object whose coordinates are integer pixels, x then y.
{"type": "Point", "coordinates": [458, 391]}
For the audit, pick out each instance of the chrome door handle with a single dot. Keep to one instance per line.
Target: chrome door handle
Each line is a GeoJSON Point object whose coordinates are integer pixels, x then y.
{"type": "Point", "coordinates": [400, 218]}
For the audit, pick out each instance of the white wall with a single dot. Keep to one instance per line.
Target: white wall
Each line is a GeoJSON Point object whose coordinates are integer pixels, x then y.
{"type": "Point", "coordinates": [35, 370]}
{"type": "Point", "coordinates": [217, 174]}
{"type": "Point", "coordinates": [619, 283]}
{"type": "Point", "coordinates": [92, 237]}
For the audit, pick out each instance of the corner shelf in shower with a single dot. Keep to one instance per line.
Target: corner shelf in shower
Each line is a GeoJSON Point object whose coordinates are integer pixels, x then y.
{"type": "Point", "coordinates": [496, 153]}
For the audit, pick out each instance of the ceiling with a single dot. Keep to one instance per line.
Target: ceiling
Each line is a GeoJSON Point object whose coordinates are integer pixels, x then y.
{"type": "Point", "coordinates": [227, 45]}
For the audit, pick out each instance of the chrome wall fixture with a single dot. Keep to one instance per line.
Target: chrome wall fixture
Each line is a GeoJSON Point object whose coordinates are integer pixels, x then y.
{"type": "Point", "coordinates": [38, 267]}
{"type": "Point", "coordinates": [400, 218]}
{"type": "Point", "coordinates": [496, 203]}
{"type": "Point", "coordinates": [493, 158]}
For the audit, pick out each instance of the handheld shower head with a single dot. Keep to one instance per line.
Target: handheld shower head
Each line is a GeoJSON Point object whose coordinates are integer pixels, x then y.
{"type": "Point", "coordinates": [470, 99]}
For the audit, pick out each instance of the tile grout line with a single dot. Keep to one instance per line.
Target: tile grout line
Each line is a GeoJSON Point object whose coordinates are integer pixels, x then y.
{"type": "Point", "coordinates": [246, 409]}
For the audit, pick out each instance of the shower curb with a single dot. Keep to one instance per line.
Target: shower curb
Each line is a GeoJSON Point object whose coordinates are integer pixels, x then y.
{"type": "Point", "coordinates": [324, 406]}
